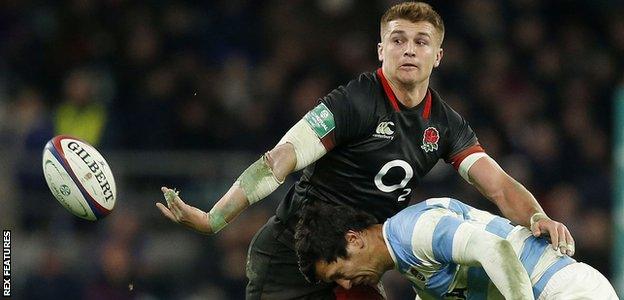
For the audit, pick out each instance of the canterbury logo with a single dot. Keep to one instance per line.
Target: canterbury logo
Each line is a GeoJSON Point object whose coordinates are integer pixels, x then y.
{"type": "Point", "coordinates": [385, 128]}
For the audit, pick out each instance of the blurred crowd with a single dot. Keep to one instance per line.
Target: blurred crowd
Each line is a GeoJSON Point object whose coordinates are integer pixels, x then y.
{"type": "Point", "coordinates": [535, 79]}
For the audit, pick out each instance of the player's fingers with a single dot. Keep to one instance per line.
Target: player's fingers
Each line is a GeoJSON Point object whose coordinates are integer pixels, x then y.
{"type": "Point", "coordinates": [174, 203]}
{"type": "Point", "coordinates": [563, 243]}
{"type": "Point", "coordinates": [175, 212]}
{"type": "Point", "coordinates": [176, 208]}
{"type": "Point", "coordinates": [178, 201]}
{"type": "Point", "coordinates": [171, 196]}
{"type": "Point", "coordinates": [554, 235]}
{"type": "Point", "coordinates": [166, 192]}
{"type": "Point", "coordinates": [179, 208]}
{"type": "Point", "coordinates": [570, 240]}
{"type": "Point", "coordinates": [166, 212]}
{"type": "Point", "coordinates": [536, 230]}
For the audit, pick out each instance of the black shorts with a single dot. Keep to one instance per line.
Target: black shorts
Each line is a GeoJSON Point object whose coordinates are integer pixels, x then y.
{"type": "Point", "coordinates": [272, 268]}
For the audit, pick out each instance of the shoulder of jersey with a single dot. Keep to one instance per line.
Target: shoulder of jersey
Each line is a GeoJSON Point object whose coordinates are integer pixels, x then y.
{"type": "Point", "coordinates": [436, 98]}
{"type": "Point", "coordinates": [365, 92]}
{"type": "Point", "coordinates": [438, 105]}
{"type": "Point", "coordinates": [439, 101]}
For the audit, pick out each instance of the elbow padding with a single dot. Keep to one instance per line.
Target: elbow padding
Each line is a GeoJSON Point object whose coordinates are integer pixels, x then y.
{"type": "Point", "coordinates": [308, 146]}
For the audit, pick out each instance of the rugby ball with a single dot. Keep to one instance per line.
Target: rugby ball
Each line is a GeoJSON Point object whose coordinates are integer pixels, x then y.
{"type": "Point", "coordinates": [79, 177]}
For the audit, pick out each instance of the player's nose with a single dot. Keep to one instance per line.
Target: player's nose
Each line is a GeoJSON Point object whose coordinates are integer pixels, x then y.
{"type": "Point", "coordinates": [346, 284]}
{"type": "Point", "coordinates": [410, 49]}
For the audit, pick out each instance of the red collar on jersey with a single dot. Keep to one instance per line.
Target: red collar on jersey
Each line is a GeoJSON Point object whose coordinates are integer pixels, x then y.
{"type": "Point", "coordinates": [393, 99]}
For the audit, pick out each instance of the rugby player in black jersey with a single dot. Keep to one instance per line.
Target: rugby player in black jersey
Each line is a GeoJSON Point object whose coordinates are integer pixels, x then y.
{"type": "Point", "coordinates": [367, 144]}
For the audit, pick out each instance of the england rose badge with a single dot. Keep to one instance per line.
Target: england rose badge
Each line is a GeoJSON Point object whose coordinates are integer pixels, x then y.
{"type": "Point", "coordinates": [431, 136]}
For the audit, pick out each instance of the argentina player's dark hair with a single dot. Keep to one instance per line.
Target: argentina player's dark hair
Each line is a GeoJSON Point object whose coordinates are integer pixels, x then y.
{"type": "Point", "coordinates": [320, 234]}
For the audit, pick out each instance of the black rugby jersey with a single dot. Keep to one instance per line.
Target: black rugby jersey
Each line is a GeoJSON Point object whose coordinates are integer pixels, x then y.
{"type": "Point", "coordinates": [378, 150]}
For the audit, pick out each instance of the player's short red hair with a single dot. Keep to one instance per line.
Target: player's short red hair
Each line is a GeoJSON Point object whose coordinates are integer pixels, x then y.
{"type": "Point", "coordinates": [413, 12]}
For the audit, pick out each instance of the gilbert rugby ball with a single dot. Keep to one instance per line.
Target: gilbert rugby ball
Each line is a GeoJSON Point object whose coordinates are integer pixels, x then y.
{"type": "Point", "coordinates": [79, 177]}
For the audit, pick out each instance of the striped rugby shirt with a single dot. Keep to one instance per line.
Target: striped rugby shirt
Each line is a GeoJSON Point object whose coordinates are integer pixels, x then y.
{"type": "Point", "coordinates": [420, 240]}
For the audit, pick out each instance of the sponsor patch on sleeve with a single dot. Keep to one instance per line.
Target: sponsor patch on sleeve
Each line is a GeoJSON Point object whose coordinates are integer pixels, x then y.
{"type": "Point", "coordinates": [321, 120]}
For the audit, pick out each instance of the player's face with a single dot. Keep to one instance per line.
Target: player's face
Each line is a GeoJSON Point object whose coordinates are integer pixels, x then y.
{"type": "Point", "coordinates": [409, 51]}
{"type": "Point", "coordinates": [357, 269]}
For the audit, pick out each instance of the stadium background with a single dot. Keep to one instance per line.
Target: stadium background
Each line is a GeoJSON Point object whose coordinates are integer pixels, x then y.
{"type": "Point", "coordinates": [188, 93]}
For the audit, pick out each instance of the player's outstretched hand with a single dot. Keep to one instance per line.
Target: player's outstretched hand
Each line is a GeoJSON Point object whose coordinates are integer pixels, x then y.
{"type": "Point", "coordinates": [560, 236]}
{"type": "Point", "coordinates": [182, 213]}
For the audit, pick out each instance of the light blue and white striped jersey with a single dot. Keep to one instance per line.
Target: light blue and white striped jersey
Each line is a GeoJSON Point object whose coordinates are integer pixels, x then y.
{"type": "Point", "coordinates": [420, 241]}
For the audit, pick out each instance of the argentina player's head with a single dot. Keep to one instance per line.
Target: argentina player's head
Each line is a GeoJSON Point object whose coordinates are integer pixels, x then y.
{"type": "Point", "coordinates": [411, 43]}
{"type": "Point", "coordinates": [338, 244]}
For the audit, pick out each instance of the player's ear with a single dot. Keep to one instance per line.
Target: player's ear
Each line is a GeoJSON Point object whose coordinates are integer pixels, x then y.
{"type": "Point", "coordinates": [354, 238]}
{"type": "Point", "coordinates": [380, 51]}
{"type": "Point", "coordinates": [438, 58]}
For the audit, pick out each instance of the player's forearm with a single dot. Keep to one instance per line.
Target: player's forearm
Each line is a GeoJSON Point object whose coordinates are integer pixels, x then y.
{"type": "Point", "coordinates": [497, 258]}
{"type": "Point", "coordinates": [227, 208]}
{"type": "Point", "coordinates": [506, 271]}
{"type": "Point", "coordinates": [299, 147]}
{"type": "Point", "coordinates": [255, 183]}
{"type": "Point", "coordinates": [516, 202]}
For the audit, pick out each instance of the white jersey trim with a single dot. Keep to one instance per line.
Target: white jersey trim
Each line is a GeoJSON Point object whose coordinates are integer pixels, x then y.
{"type": "Point", "coordinates": [385, 236]}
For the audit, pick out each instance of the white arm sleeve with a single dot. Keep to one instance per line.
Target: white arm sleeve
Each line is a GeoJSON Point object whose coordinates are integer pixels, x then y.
{"type": "Point", "coordinates": [467, 163]}
{"type": "Point", "coordinates": [475, 246]}
{"type": "Point", "coordinates": [308, 146]}
{"type": "Point", "coordinates": [258, 181]}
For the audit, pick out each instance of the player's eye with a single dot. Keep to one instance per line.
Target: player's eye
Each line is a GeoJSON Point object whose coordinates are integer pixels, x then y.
{"type": "Point", "coordinates": [397, 41]}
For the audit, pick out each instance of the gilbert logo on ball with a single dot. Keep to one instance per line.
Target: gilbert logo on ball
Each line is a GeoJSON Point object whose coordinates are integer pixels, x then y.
{"type": "Point", "coordinates": [79, 177]}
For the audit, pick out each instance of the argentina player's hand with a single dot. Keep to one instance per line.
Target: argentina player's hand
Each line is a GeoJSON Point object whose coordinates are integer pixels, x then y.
{"type": "Point", "coordinates": [182, 213]}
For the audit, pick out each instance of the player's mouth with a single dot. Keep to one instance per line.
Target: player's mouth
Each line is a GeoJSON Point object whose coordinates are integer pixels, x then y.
{"type": "Point", "coordinates": [408, 66]}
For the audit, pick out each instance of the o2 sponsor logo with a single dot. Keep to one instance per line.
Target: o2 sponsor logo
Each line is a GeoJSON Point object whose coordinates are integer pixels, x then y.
{"type": "Point", "coordinates": [409, 173]}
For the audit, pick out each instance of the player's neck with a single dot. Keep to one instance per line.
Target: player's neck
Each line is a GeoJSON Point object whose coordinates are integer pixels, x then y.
{"type": "Point", "coordinates": [381, 248]}
{"type": "Point", "coordinates": [410, 95]}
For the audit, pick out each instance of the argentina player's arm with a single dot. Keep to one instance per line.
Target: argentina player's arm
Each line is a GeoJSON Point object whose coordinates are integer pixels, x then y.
{"type": "Point", "coordinates": [453, 240]}
{"type": "Point", "coordinates": [332, 122]}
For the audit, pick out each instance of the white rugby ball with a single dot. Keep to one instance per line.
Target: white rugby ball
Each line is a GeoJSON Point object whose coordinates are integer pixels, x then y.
{"type": "Point", "coordinates": [79, 177]}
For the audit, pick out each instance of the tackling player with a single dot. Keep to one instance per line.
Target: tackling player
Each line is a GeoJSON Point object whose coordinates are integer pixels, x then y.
{"type": "Point", "coordinates": [446, 249]}
{"type": "Point", "coordinates": [367, 144]}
